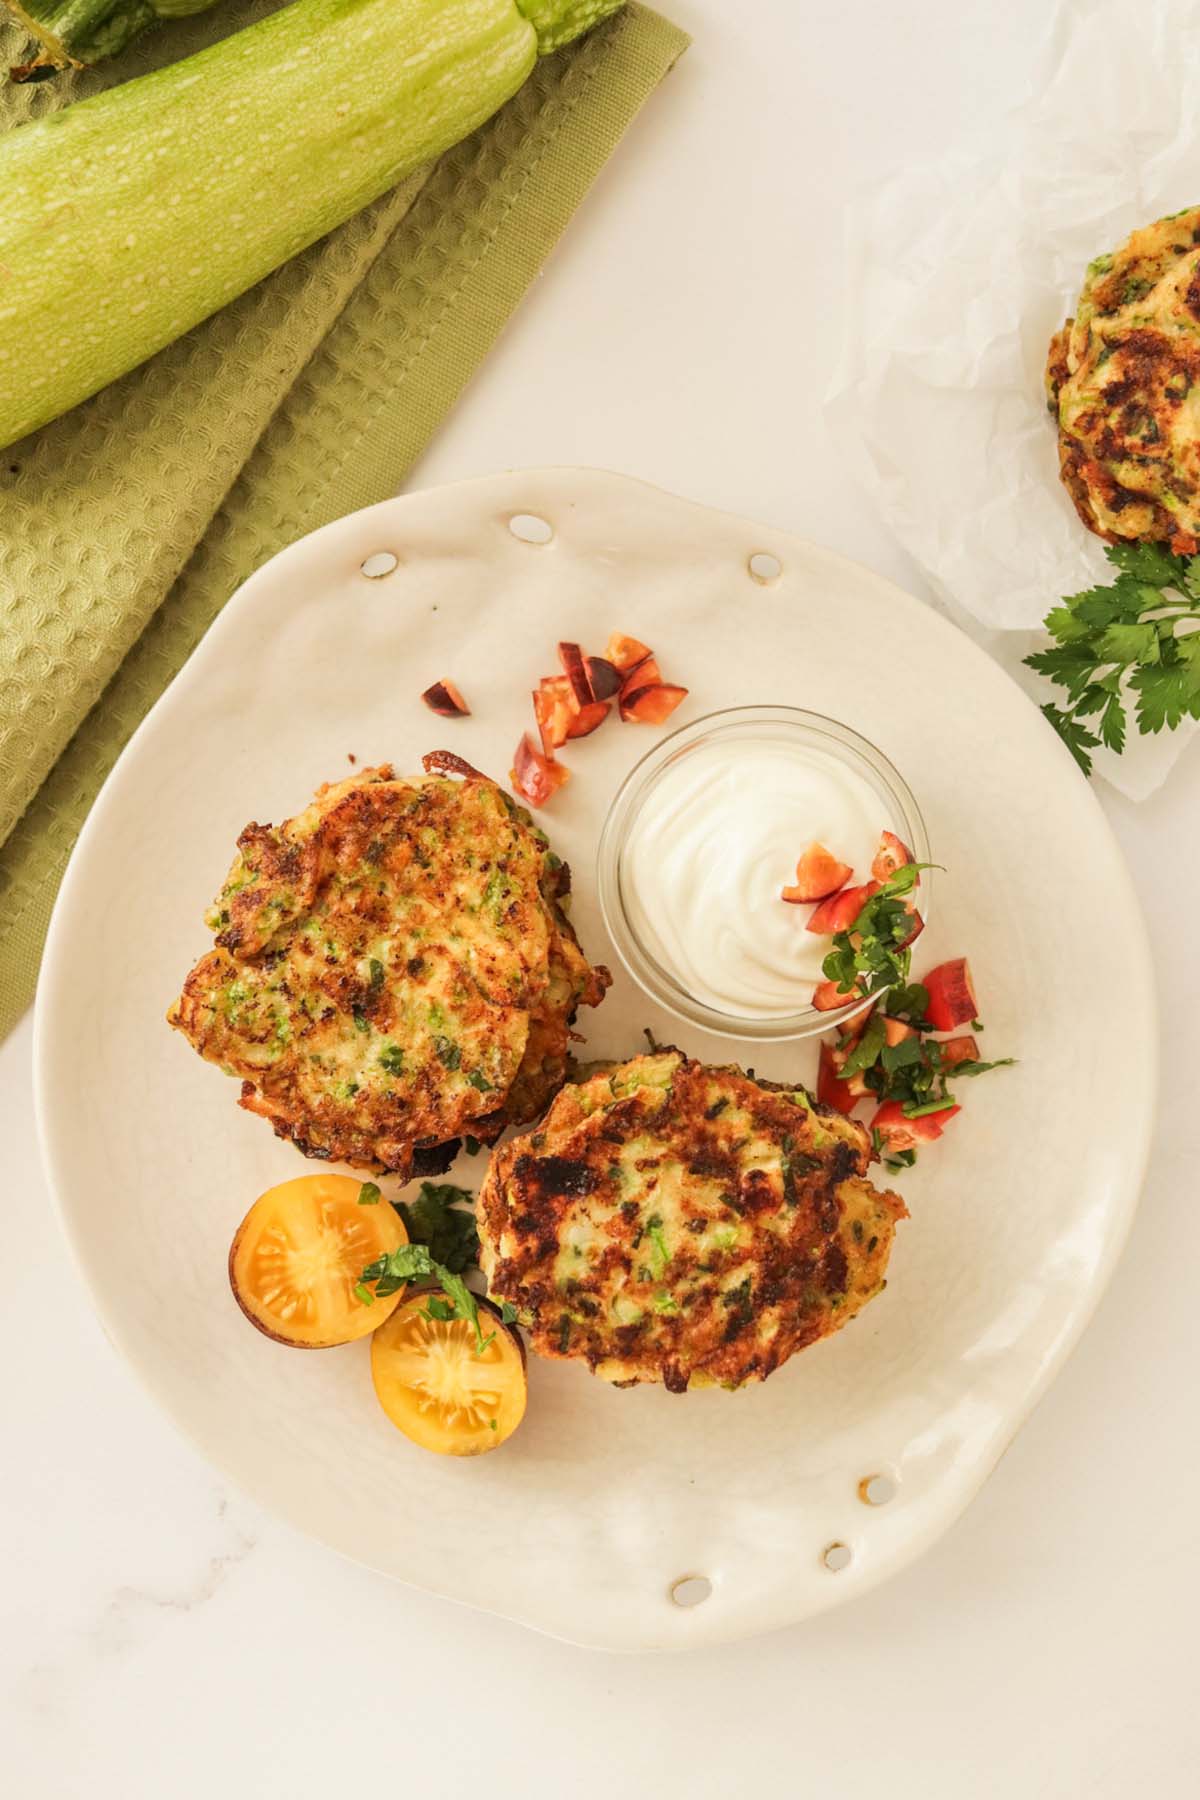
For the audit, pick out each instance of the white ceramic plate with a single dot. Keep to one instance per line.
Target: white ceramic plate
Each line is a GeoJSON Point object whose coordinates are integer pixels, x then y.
{"type": "Point", "coordinates": [604, 1499]}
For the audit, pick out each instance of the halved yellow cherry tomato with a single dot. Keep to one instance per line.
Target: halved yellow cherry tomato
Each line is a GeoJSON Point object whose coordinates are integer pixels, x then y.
{"type": "Point", "coordinates": [298, 1256]}
{"type": "Point", "coordinates": [438, 1389]}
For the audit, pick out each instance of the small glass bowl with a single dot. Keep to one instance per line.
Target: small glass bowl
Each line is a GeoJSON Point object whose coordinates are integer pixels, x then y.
{"type": "Point", "coordinates": [777, 724]}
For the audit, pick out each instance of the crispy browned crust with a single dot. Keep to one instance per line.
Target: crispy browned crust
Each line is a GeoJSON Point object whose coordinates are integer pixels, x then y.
{"type": "Point", "coordinates": [714, 1152]}
{"type": "Point", "coordinates": [388, 967]}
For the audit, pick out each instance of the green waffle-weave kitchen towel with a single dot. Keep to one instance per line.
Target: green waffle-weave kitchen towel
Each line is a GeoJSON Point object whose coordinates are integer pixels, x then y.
{"type": "Point", "coordinates": [126, 525]}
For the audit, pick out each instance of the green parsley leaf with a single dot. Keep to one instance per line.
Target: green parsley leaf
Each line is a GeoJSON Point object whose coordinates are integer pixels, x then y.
{"type": "Point", "coordinates": [477, 1079]}
{"type": "Point", "coordinates": [439, 1218]}
{"type": "Point", "coordinates": [412, 1262]}
{"type": "Point", "coordinates": [369, 1194]}
{"type": "Point", "coordinates": [448, 1052]}
{"type": "Point", "coordinates": [1136, 639]}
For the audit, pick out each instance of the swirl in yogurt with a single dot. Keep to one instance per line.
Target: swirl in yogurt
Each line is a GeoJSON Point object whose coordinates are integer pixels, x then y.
{"type": "Point", "coordinates": [713, 844]}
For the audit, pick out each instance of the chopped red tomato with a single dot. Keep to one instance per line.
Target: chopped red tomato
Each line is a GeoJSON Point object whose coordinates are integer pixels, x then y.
{"type": "Point", "coordinates": [917, 927]}
{"type": "Point", "coordinates": [843, 1096]}
{"type": "Point", "coordinates": [827, 996]}
{"type": "Point", "coordinates": [534, 776]}
{"type": "Point", "coordinates": [951, 995]}
{"type": "Point", "coordinates": [957, 1050]}
{"type": "Point", "coordinates": [818, 874]}
{"type": "Point", "coordinates": [651, 705]}
{"type": "Point", "coordinates": [644, 674]}
{"type": "Point", "coordinates": [571, 658]}
{"type": "Point", "coordinates": [589, 718]}
{"type": "Point", "coordinates": [445, 699]}
{"type": "Point", "coordinates": [839, 912]}
{"type": "Point", "coordinates": [624, 653]}
{"type": "Point", "coordinates": [553, 711]}
{"type": "Point", "coordinates": [897, 1133]}
{"type": "Point", "coordinates": [891, 855]}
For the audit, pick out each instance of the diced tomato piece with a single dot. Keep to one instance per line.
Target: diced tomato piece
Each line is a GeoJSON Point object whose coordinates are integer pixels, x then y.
{"type": "Point", "coordinates": [651, 705]}
{"type": "Point", "coordinates": [445, 699]}
{"type": "Point", "coordinates": [843, 1096]}
{"type": "Point", "coordinates": [896, 1132]}
{"type": "Point", "coordinates": [624, 653]}
{"type": "Point", "coordinates": [604, 677]}
{"type": "Point", "coordinates": [644, 674]}
{"type": "Point", "coordinates": [818, 874]}
{"type": "Point", "coordinates": [534, 776]}
{"type": "Point", "coordinates": [895, 1031]}
{"type": "Point", "coordinates": [891, 855]}
{"type": "Point", "coordinates": [917, 927]}
{"type": "Point", "coordinates": [839, 912]}
{"type": "Point", "coordinates": [957, 1050]}
{"type": "Point", "coordinates": [571, 658]}
{"type": "Point", "coordinates": [589, 718]}
{"type": "Point", "coordinates": [951, 995]}
{"type": "Point", "coordinates": [553, 711]}
{"type": "Point", "coordinates": [827, 997]}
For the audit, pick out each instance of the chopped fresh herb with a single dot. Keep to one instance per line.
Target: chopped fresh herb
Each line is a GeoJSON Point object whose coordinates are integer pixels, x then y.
{"type": "Point", "coordinates": [391, 1059]}
{"type": "Point", "coordinates": [477, 1079]}
{"type": "Point", "coordinates": [508, 1312]}
{"type": "Point", "coordinates": [361, 1022]}
{"type": "Point", "coordinates": [448, 1052]}
{"type": "Point", "coordinates": [369, 1194]}
{"type": "Point", "coordinates": [412, 1262]}
{"type": "Point", "coordinates": [1134, 641]}
{"type": "Point", "coordinates": [363, 1293]}
{"type": "Point", "coordinates": [375, 968]}
{"type": "Point", "coordinates": [873, 955]}
{"type": "Point", "coordinates": [439, 1219]}
{"type": "Point", "coordinates": [717, 1107]}
{"type": "Point", "coordinates": [493, 1424]}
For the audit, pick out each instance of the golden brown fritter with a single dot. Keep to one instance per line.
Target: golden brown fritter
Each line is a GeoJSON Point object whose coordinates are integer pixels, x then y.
{"type": "Point", "coordinates": [1123, 383]}
{"type": "Point", "coordinates": [677, 1223]}
{"type": "Point", "coordinates": [387, 965]}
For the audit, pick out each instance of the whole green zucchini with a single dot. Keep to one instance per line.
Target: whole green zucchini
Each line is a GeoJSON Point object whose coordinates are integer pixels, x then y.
{"type": "Point", "coordinates": [77, 33]}
{"type": "Point", "coordinates": [127, 218]}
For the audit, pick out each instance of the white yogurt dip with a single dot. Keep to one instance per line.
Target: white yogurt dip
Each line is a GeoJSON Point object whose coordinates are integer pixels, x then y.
{"type": "Point", "coordinates": [714, 842]}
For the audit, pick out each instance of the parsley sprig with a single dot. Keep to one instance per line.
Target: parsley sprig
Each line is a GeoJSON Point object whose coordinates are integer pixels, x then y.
{"type": "Point", "coordinates": [1136, 639]}
{"type": "Point", "coordinates": [873, 954]}
{"type": "Point", "coordinates": [436, 1221]}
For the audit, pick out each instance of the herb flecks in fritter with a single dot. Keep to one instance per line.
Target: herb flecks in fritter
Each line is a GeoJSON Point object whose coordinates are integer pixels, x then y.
{"type": "Point", "coordinates": [392, 968]}
{"type": "Point", "coordinates": [678, 1223]}
{"type": "Point", "coordinates": [1123, 382]}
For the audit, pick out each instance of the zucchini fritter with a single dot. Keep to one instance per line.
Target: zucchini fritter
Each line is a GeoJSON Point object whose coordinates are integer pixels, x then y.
{"type": "Point", "coordinates": [392, 967]}
{"type": "Point", "coordinates": [1123, 383]}
{"type": "Point", "coordinates": [677, 1223]}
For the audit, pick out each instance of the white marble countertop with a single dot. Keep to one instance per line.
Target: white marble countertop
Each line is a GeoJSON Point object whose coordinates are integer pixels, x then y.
{"type": "Point", "coordinates": [160, 1635]}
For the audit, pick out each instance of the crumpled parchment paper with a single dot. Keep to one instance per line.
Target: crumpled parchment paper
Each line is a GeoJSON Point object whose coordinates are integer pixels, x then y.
{"type": "Point", "coordinates": [958, 275]}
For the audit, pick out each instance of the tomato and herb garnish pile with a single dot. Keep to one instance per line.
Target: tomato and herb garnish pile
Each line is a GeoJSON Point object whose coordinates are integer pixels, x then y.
{"type": "Point", "coordinates": [889, 1054]}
